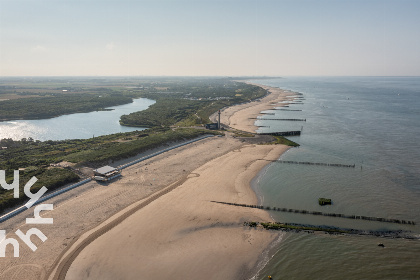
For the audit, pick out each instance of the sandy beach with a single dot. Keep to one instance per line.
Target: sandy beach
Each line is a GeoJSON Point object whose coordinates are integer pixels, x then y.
{"type": "Point", "coordinates": [242, 117]}
{"type": "Point", "coordinates": [183, 234]}
{"type": "Point", "coordinates": [158, 220]}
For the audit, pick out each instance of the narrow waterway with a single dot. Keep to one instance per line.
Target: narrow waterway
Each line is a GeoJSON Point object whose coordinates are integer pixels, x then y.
{"type": "Point", "coordinates": [74, 126]}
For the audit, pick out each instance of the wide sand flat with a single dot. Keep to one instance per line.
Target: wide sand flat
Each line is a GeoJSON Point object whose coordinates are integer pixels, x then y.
{"type": "Point", "coordinates": [183, 235]}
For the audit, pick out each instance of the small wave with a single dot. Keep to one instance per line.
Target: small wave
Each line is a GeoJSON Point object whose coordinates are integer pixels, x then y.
{"type": "Point", "coordinates": [267, 256]}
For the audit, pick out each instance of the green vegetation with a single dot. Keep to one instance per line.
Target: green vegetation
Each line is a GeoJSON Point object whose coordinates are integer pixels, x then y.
{"type": "Point", "coordinates": [190, 103]}
{"type": "Point", "coordinates": [292, 227]}
{"type": "Point", "coordinates": [164, 112]}
{"type": "Point", "coordinates": [324, 201]}
{"type": "Point", "coordinates": [298, 227]}
{"type": "Point", "coordinates": [180, 102]}
{"type": "Point", "coordinates": [191, 100]}
{"type": "Point", "coordinates": [36, 157]}
{"type": "Point", "coordinates": [47, 107]}
{"type": "Point", "coordinates": [37, 98]}
{"type": "Point", "coordinates": [238, 133]}
{"type": "Point", "coordinates": [284, 141]}
{"type": "Point", "coordinates": [104, 151]}
{"type": "Point", "coordinates": [52, 178]}
{"type": "Point", "coordinates": [90, 152]}
{"type": "Point", "coordinates": [251, 224]}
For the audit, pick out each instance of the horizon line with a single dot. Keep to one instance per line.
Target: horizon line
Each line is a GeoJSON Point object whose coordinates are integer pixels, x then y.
{"type": "Point", "coordinates": [197, 76]}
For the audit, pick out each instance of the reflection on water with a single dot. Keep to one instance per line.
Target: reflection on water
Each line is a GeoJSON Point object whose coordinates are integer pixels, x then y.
{"type": "Point", "coordinates": [74, 126]}
{"type": "Point", "coordinates": [361, 121]}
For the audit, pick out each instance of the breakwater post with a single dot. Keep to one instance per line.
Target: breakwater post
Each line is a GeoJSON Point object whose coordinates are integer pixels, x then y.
{"type": "Point", "coordinates": [316, 163]}
{"type": "Point", "coordinates": [293, 227]}
{"type": "Point", "coordinates": [280, 109]}
{"type": "Point", "coordinates": [267, 119]}
{"type": "Point", "coordinates": [317, 213]}
{"type": "Point", "coordinates": [284, 133]}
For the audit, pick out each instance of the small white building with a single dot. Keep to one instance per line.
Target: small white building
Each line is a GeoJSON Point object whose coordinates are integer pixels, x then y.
{"type": "Point", "coordinates": [106, 173]}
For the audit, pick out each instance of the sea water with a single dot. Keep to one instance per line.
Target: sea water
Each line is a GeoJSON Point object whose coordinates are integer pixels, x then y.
{"type": "Point", "coordinates": [373, 123]}
{"type": "Point", "coordinates": [74, 126]}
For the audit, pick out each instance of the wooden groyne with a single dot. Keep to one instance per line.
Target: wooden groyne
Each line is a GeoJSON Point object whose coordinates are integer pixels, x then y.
{"type": "Point", "coordinates": [284, 133]}
{"type": "Point", "coordinates": [293, 227]}
{"type": "Point", "coordinates": [291, 110]}
{"type": "Point", "coordinates": [293, 120]}
{"type": "Point", "coordinates": [317, 213]}
{"type": "Point", "coordinates": [316, 163]}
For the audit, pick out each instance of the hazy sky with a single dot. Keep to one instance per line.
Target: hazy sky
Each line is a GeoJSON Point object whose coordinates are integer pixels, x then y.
{"type": "Point", "coordinates": [209, 37]}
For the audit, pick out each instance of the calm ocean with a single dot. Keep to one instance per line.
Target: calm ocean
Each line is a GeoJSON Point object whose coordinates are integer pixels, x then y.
{"type": "Point", "coordinates": [374, 123]}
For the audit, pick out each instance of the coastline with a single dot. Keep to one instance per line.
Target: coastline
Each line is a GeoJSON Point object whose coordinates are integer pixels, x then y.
{"type": "Point", "coordinates": [242, 116]}
{"type": "Point", "coordinates": [199, 226]}
{"type": "Point", "coordinates": [189, 238]}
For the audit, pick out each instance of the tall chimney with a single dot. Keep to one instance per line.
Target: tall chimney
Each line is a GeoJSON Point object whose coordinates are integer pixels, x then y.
{"type": "Point", "coordinates": [218, 124]}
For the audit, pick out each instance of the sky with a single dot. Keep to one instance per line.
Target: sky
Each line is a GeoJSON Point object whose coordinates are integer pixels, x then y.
{"type": "Point", "coordinates": [210, 38]}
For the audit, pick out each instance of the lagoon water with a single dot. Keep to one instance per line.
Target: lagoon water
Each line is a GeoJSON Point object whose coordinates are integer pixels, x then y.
{"type": "Point", "coordinates": [74, 126]}
{"type": "Point", "coordinates": [374, 123]}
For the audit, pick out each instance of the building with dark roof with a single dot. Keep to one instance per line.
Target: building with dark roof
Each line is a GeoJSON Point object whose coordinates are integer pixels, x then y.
{"type": "Point", "coordinates": [106, 173]}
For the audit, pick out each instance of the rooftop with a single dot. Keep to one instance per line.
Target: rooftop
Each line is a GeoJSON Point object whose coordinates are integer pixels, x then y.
{"type": "Point", "coordinates": [105, 169]}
